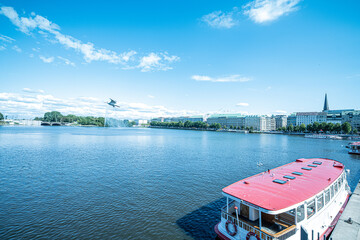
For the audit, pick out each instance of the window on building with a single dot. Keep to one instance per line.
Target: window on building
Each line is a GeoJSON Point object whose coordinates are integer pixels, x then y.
{"type": "Point", "coordinates": [300, 212]}
{"type": "Point", "coordinates": [320, 202]}
{"type": "Point", "coordinates": [327, 196]}
{"type": "Point", "coordinates": [311, 209]}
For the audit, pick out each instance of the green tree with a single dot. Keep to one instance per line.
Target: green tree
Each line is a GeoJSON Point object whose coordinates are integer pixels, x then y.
{"type": "Point", "coordinates": [346, 127]}
{"type": "Point", "coordinates": [53, 116]}
{"type": "Point", "coordinates": [302, 127]}
{"type": "Point", "coordinates": [310, 127]}
{"type": "Point", "coordinates": [355, 131]}
{"type": "Point", "coordinates": [330, 127]}
{"type": "Point", "coordinates": [323, 126]}
{"type": "Point", "coordinates": [1, 116]}
{"type": "Point", "coordinates": [316, 127]}
{"type": "Point", "coordinates": [290, 128]}
{"type": "Point", "coordinates": [337, 128]}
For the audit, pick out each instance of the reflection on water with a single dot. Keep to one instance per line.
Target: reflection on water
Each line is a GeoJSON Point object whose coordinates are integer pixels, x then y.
{"type": "Point", "coordinates": [100, 183]}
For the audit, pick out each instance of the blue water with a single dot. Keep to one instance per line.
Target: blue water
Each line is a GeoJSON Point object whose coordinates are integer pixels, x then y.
{"type": "Point", "coordinates": [102, 183]}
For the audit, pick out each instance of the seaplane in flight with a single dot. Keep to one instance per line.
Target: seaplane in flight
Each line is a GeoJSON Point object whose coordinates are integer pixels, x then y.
{"type": "Point", "coordinates": [113, 103]}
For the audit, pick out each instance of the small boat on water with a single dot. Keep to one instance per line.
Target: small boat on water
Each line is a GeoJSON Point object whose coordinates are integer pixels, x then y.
{"type": "Point", "coordinates": [323, 136]}
{"type": "Point", "coordinates": [354, 148]}
{"type": "Point", "coordinates": [308, 194]}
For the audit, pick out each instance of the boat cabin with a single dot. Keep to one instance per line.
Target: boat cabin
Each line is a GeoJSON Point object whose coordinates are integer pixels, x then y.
{"type": "Point", "coordinates": [274, 204]}
{"type": "Point", "coordinates": [354, 148]}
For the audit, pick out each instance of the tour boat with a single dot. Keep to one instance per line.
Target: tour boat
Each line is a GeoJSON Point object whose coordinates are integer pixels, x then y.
{"type": "Point", "coordinates": [307, 195]}
{"type": "Point", "coordinates": [354, 148]}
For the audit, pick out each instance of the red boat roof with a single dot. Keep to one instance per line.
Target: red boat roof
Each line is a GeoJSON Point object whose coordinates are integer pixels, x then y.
{"type": "Point", "coordinates": [355, 144]}
{"type": "Point", "coordinates": [261, 191]}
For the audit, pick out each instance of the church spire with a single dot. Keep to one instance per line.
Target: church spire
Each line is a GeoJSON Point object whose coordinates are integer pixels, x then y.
{"type": "Point", "coordinates": [326, 104]}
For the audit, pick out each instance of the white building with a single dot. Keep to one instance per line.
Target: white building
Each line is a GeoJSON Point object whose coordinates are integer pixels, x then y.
{"type": "Point", "coordinates": [235, 120]}
{"type": "Point", "coordinates": [140, 122]}
{"type": "Point", "coordinates": [280, 121]}
{"type": "Point", "coordinates": [310, 117]}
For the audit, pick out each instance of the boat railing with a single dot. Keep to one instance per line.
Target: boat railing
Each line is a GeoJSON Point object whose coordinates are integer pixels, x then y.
{"type": "Point", "coordinates": [282, 235]}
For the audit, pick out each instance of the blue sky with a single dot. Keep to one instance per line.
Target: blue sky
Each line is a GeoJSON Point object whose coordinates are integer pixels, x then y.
{"type": "Point", "coordinates": [178, 57]}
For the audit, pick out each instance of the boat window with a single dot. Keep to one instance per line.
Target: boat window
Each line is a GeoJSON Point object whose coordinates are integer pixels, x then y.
{"type": "Point", "coordinates": [306, 168]}
{"type": "Point", "coordinates": [327, 196]}
{"type": "Point", "coordinates": [332, 191]}
{"type": "Point", "coordinates": [297, 173]}
{"type": "Point", "coordinates": [336, 187]}
{"type": "Point", "coordinates": [300, 212]}
{"type": "Point", "coordinates": [279, 181]}
{"type": "Point", "coordinates": [311, 209]}
{"type": "Point", "coordinates": [317, 163]}
{"type": "Point", "coordinates": [320, 202]}
{"type": "Point", "coordinates": [289, 177]}
{"type": "Point", "coordinates": [312, 165]}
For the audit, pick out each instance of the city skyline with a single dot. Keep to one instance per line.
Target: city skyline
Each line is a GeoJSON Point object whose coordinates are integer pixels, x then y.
{"type": "Point", "coordinates": [172, 59]}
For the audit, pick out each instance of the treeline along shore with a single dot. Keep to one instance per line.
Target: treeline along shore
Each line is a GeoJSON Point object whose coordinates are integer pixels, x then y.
{"type": "Point", "coordinates": [316, 127]}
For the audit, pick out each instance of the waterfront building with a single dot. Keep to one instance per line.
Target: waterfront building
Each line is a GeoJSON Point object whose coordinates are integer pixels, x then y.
{"type": "Point", "coordinates": [280, 121]}
{"type": "Point", "coordinates": [336, 116]}
{"type": "Point", "coordinates": [310, 117]}
{"type": "Point", "coordinates": [183, 119]}
{"type": "Point", "coordinates": [270, 124]}
{"type": "Point", "coordinates": [291, 120]}
{"type": "Point", "coordinates": [352, 117]}
{"type": "Point", "coordinates": [260, 123]}
{"type": "Point", "coordinates": [139, 122]}
{"type": "Point", "coordinates": [235, 120]}
{"type": "Point", "coordinates": [159, 119]}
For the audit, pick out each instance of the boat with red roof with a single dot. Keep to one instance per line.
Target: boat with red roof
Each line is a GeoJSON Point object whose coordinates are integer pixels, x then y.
{"type": "Point", "coordinates": [308, 194]}
{"type": "Point", "coordinates": [354, 148]}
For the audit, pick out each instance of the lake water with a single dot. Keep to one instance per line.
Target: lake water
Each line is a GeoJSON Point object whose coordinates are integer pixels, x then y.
{"type": "Point", "coordinates": [102, 183]}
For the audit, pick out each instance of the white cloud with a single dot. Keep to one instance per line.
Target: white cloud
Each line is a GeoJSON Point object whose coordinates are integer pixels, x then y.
{"type": "Point", "coordinates": [230, 78]}
{"type": "Point", "coordinates": [261, 11]}
{"type": "Point", "coordinates": [16, 48]}
{"type": "Point", "coordinates": [150, 96]}
{"type": "Point", "coordinates": [155, 61]}
{"type": "Point", "coordinates": [29, 90]}
{"type": "Point", "coordinates": [219, 19]}
{"type": "Point", "coordinates": [281, 111]}
{"type": "Point", "coordinates": [66, 61]}
{"type": "Point", "coordinates": [51, 31]}
{"type": "Point", "coordinates": [47, 60]}
{"type": "Point", "coordinates": [31, 105]}
{"type": "Point", "coordinates": [242, 104]}
{"type": "Point", "coordinates": [2, 48]}
{"type": "Point", "coordinates": [6, 38]}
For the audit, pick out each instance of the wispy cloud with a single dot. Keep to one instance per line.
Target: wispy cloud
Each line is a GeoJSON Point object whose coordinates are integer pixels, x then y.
{"type": "Point", "coordinates": [29, 90]}
{"type": "Point", "coordinates": [155, 61]}
{"type": "Point", "coordinates": [51, 31]}
{"type": "Point", "coordinates": [280, 111]}
{"type": "Point", "coordinates": [47, 60]}
{"type": "Point", "coordinates": [242, 104]}
{"type": "Point", "coordinates": [220, 19]}
{"type": "Point", "coordinates": [66, 61]}
{"type": "Point", "coordinates": [6, 38]}
{"type": "Point", "coordinates": [230, 78]}
{"type": "Point", "coordinates": [17, 49]}
{"type": "Point", "coordinates": [262, 11]}
{"type": "Point", "coordinates": [36, 104]}
{"type": "Point", "coordinates": [150, 96]}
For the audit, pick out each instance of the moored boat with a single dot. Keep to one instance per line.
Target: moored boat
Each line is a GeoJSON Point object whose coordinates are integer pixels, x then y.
{"type": "Point", "coordinates": [354, 148]}
{"type": "Point", "coordinates": [274, 205]}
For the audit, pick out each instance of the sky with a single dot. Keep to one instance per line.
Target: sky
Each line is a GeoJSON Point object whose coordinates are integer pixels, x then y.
{"type": "Point", "coordinates": [178, 58]}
